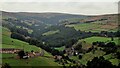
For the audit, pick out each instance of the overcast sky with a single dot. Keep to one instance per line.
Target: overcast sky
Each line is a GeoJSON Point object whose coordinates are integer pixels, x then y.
{"type": "Point", "coordinates": [85, 8]}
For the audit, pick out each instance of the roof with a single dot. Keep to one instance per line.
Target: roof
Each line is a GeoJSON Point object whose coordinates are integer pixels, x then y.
{"type": "Point", "coordinates": [9, 49]}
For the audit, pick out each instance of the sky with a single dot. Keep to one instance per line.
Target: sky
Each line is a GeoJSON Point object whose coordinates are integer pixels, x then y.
{"type": "Point", "coordinates": [84, 7]}
{"type": "Point", "coordinates": [59, 0]}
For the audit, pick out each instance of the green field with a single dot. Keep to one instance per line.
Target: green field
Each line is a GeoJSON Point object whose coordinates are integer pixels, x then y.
{"type": "Point", "coordinates": [103, 39]}
{"type": "Point", "coordinates": [60, 48]}
{"type": "Point", "coordinates": [38, 61]}
{"type": "Point", "coordinates": [88, 57]}
{"type": "Point", "coordinates": [29, 30]}
{"type": "Point", "coordinates": [112, 59]}
{"type": "Point", "coordinates": [93, 27]}
{"type": "Point", "coordinates": [7, 43]}
{"type": "Point", "coordinates": [50, 33]}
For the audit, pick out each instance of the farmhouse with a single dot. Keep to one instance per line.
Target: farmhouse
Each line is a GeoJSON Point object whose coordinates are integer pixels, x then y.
{"type": "Point", "coordinates": [34, 54]}
{"type": "Point", "coordinates": [9, 50]}
{"type": "Point", "coordinates": [57, 57]}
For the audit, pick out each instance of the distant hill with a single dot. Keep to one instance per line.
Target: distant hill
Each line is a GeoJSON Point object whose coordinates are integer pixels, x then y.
{"type": "Point", "coordinates": [49, 18]}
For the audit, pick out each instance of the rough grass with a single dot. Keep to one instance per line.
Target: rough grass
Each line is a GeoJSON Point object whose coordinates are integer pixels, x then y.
{"type": "Point", "coordinates": [94, 27]}
{"type": "Point", "coordinates": [5, 32]}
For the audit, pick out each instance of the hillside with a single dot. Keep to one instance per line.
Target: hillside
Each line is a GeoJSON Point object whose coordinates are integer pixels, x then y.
{"type": "Point", "coordinates": [95, 23]}
{"type": "Point", "coordinates": [48, 27]}
{"type": "Point", "coordinates": [38, 61]}
{"type": "Point", "coordinates": [72, 40]}
{"type": "Point", "coordinates": [103, 39]}
{"type": "Point", "coordinates": [48, 18]}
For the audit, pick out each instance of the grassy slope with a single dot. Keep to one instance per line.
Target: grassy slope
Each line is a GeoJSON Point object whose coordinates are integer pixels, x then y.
{"type": "Point", "coordinates": [103, 39]}
{"type": "Point", "coordinates": [94, 27]}
{"type": "Point", "coordinates": [89, 56]}
{"type": "Point", "coordinates": [38, 61]}
{"type": "Point", "coordinates": [112, 59]}
{"type": "Point", "coordinates": [109, 57]}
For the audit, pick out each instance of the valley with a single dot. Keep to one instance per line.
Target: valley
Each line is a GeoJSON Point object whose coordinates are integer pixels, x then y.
{"type": "Point", "coordinates": [63, 40]}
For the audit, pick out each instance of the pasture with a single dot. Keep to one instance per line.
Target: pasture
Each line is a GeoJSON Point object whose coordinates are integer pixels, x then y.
{"type": "Point", "coordinates": [60, 48]}
{"type": "Point", "coordinates": [94, 27]}
{"type": "Point", "coordinates": [38, 61]}
{"type": "Point", "coordinates": [50, 33]}
{"type": "Point", "coordinates": [88, 57]}
{"type": "Point", "coordinates": [8, 42]}
{"type": "Point", "coordinates": [102, 39]}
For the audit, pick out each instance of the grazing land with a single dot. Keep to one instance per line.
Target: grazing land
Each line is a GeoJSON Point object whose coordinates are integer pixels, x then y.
{"type": "Point", "coordinates": [38, 61]}
{"type": "Point", "coordinates": [102, 39]}
{"type": "Point", "coordinates": [50, 33]}
{"type": "Point", "coordinates": [94, 27]}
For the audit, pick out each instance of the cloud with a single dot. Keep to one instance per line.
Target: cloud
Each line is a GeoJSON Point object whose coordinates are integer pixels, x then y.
{"type": "Point", "coordinates": [86, 8]}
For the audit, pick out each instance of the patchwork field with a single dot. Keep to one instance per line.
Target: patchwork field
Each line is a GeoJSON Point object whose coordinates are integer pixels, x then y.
{"type": "Point", "coordinates": [95, 27]}
{"type": "Point", "coordinates": [112, 59]}
{"type": "Point", "coordinates": [88, 57]}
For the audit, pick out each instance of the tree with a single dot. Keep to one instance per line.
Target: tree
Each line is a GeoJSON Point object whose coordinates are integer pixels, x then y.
{"type": "Point", "coordinates": [17, 36]}
{"type": "Point", "coordinates": [80, 56]}
{"type": "Point", "coordinates": [99, 63]}
{"type": "Point", "coordinates": [112, 39]}
{"type": "Point", "coordinates": [110, 44]}
{"type": "Point", "coordinates": [55, 52]}
{"type": "Point", "coordinates": [78, 46]}
{"type": "Point", "coordinates": [94, 43]}
{"type": "Point", "coordinates": [6, 65]}
{"type": "Point", "coordinates": [21, 54]}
